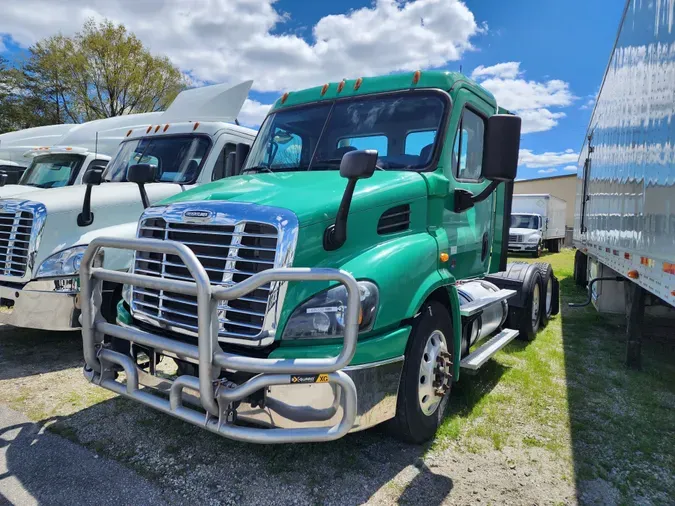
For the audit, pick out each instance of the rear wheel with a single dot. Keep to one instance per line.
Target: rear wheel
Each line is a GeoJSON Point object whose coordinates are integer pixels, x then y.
{"type": "Point", "coordinates": [529, 317]}
{"type": "Point", "coordinates": [427, 375]}
{"type": "Point", "coordinates": [547, 292]}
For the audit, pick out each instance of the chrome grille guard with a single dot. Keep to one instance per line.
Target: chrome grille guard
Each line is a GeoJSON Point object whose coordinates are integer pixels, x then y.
{"type": "Point", "coordinates": [210, 357]}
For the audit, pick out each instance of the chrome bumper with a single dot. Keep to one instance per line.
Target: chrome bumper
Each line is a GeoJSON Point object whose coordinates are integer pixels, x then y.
{"type": "Point", "coordinates": [523, 247]}
{"type": "Point", "coordinates": [218, 399]}
{"type": "Point", "coordinates": [44, 304]}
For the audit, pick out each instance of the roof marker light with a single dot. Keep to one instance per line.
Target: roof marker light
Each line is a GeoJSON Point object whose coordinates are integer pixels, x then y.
{"type": "Point", "coordinates": [69, 149]}
{"type": "Point", "coordinates": [129, 133]}
{"type": "Point", "coordinates": [148, 130]}
{"type": "Point", "coordinates": [166, 127]}
{"type": "Point", "coordinates": [196, 126]}
{"type": "Point", "coordinates": [284, 97]}
{"type": "Point", "coordinates": [341, 86]}
{"type": "Point", "coordinates": [357, 84]}
{"type": "Point", "coordinates": [324, 89]}
{"type": "Point", "coordinates": [416, 76]}
{"type": "Point", "coordinates": [157, 128]}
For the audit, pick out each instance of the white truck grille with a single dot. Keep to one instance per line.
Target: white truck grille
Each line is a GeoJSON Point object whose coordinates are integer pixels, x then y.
{"type": "Point", "coordinates": [229, 253]}
{"type": "Point", "coordinates": [15, 235]}
{"type": "Point", "coordinates": [515, 238]}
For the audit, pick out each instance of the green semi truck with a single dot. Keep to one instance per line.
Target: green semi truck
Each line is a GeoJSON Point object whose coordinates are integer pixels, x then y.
{"type": "Point", "coordinates": [344, 277]}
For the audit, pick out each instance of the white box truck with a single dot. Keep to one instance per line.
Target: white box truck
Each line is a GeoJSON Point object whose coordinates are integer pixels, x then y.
{"type": "Point", "coordinates": [44, 233]}
{"type": "Point", "coordinates": [537, 222]}
{"type": "Point", "coordinates": [624, 224]}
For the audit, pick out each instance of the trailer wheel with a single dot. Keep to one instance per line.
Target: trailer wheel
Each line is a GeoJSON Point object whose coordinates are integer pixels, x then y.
{"type": "Point", "coordinates": [427, 376]}
{"type": "Point", "coordinates": [548, 292]}
{"type": "Point", "coordinates": [528, 318]}
{"type": "Point", "coordinates": [580, 269]}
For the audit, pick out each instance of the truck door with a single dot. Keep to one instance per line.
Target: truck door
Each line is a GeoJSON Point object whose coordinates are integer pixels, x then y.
{"type": "Point", "coordinates": [470, 232]}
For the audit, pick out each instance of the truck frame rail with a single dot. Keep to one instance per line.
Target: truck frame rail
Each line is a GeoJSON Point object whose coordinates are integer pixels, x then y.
{"type": "Point", "coordinates": [216, 396]}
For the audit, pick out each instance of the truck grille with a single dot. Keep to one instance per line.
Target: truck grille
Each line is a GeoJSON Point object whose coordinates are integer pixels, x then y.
{"type": "Point", "coordinates": [15, 232]}
{"type": "Point", "coordinates": [515, 238]}
{"type": "Point", "coordinates": [229, 253]}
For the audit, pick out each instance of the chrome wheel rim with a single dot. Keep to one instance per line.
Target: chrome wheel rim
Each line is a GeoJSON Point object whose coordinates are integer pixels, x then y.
{"type": "Point", "coordinates": [426, 393]}
{"type": "Point", "coordinates": [535, 305]}
{"type": "Point", "coordinates": [549, 295]}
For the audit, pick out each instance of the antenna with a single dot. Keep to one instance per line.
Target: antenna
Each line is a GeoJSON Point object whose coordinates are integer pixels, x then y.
{"type": "Point", "coordinates": [460, 68]}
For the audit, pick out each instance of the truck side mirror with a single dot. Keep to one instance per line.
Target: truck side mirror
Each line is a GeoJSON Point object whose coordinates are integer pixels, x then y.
{"type": "Point", "coordinates": [502, 143]}
{"type": "Point", "coordinates": [500, 158]}
{"type": "Point", "coordinates": [3, 179]}
{"type": "Point", "coordinates": [92, 177]}
{"type": "Point", "coordinates": [142, 173]}
{"type": "Point", "coordinates": [354, 165]}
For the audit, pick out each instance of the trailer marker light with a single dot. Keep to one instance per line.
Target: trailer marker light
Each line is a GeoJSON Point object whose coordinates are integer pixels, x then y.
{"type": "Point", "coordinates": [129, 133]}
{"type": "Point", "coordinates": [626, 256]}
{"type": "Point", "coordinates": [615, 252]}
{"type": "Point", "coordinates": [669, 268]}
{"type": "Point", "coordinates": [324, 89]}
{"type": "Point", "coordinates": [445, 257]}
{"type": "Point", "coordinates": [157, 128]}
{"type": "Point", "coordinates": [606, 250]}
{"type": "Point", "coordinates": [341, 86]}
{"type": "Point", "coordinates": [148, 130]}
{"type": "Point", "coordinates": [166, 127]}
{"type": "Point", "coordinates": [69, 149]}
{"type": "Point", "coordinates": [647, 261]}
{"type": "Point", "coordinates": [416, 76]}
{"type": "Point", "coordinates": [672, 293]}
{"type": "Point", "coordinates": [284, 97]}
{"type": "Point", "coordinates": [357, 84]}
{"type": "Point", "coordinates": [633, 274]}
{"type": "Point", "coordinates": [196, 126]}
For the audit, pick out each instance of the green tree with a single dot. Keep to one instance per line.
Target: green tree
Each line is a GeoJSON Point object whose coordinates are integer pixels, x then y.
{"type": "Point", "coordinates": [101, 71]}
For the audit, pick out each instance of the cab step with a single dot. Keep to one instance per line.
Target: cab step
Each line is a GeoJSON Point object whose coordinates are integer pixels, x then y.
{"type": "Point", "coordinates": [476, 359]}
{"type": "Point", "coordinates": [478, 305]}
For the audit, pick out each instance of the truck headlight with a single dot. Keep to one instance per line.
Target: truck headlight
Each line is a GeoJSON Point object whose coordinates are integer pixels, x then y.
{"type": "Point", "coordinates": [533, 238]}
{"type": "Point", "coordinates": [323, 316]}
{"type": "Point", "coordinates": [63, 263]}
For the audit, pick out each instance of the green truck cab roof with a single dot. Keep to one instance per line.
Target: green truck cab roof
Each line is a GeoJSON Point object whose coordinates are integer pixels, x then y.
{"type": "Point", "coordinates": [443, 80]}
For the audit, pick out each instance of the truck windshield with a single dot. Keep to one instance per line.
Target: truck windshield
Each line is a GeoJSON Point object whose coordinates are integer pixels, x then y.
{"type": "Point", "coordinates": [525, 221]}
{"type": "Point", "coordinates": [178, 158]}
{"type": "Point", "coordinates": [52, 171]}
{"type": "Point", "coordinates": [402, 127]}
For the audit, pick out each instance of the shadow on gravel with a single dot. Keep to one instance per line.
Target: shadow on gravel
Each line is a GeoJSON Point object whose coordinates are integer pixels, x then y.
{"type": "Point", "coordinates": [207, 467]}
{"type": "Point", "coordinates": [25, 352]}
{"type": "Point", "coordinates": [622, 421]}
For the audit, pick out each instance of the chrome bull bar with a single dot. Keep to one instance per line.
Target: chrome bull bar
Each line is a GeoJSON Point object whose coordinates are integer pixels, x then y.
{"type": "Point", "coordinates": [211, 359]}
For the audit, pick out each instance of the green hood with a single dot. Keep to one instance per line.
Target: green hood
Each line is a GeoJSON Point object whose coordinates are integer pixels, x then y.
{"type": "Point", "coordinates": [313, 196]}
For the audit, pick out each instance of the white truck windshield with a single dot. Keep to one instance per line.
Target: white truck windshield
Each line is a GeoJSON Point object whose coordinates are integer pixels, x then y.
{"type": "Point", "coordinates": [178, 158]}
{"type": "Point", "coordinates": [525, 221]}
{"type": "Point", "coordinates": [402, 127]}
{"type": "Point", "coordinates": [52, 171]}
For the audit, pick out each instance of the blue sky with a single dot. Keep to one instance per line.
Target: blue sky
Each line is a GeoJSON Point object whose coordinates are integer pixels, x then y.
{"type": "Point", "coordinates": [544, 59]}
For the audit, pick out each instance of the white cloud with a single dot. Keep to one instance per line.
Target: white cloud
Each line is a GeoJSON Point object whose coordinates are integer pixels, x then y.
{"type": "Point", "coordinates": [547, 171]}
{"type": "Point", "coordinates": [532, 160]}
{"type": "Point", "coordinates": [531, 100]}
{"type": "Point", "coordinates": [253, 113]}
{"type": "Point", "coordinates": [507, 70]}
{"type": "Point", "coordinates": [232, 40]}
{"type": "Point", "coordinates": [570, 168]}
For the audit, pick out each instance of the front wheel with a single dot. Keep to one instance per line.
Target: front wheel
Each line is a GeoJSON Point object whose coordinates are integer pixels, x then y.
{"type": "Point", "coordinates": [537, 253]}
{"type": "Point", "coordinates": [427, 375]}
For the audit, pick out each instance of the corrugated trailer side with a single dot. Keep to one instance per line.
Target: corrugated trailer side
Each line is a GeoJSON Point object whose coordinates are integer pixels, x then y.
{"type": "Point", "coordinates": [625, 206]}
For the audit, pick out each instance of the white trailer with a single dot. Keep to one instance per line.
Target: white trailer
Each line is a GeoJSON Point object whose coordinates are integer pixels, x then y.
{"type": "Point", "coordinates": [537, 222]}
{"type": "Point", "coordinates": [624, 228]}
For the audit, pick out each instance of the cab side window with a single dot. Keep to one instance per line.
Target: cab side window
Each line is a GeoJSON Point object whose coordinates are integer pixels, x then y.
{"type": "Point", "coordinates": [467, 153]}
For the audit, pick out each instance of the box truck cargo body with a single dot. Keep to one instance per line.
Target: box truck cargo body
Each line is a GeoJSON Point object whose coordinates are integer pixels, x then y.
{"type": "Point", "coordinates": [624, 228]}
{"type": "Point", "coordinates": [537, 222]}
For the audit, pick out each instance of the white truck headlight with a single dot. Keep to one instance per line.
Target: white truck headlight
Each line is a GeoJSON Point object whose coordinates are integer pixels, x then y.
{"type": "Point", "coordinates": [323, 316]}
{"type": "Point", "coordinates": [533, 238]}
{"type": "Point", "coordinates": [63, 263]}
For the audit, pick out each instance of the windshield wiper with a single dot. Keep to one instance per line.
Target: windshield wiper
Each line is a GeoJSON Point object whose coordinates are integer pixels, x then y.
{"type": "Point", "coordinates": [257, 169]}
{"type": "Point", "coordinates": [330, 163]}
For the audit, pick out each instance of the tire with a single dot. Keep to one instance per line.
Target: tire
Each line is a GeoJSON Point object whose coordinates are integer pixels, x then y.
{"type": "Point", "coordinates": [555, 246]}
{"type": "Point", "coordinates": [528, 323]}
{"type": "Point", "coordinates": [538, 251]}
{"type": "Point", "coordinates": [547, 292]}
{"type": "Point", "coordinates": [411, 423]}
{"type": "Point", "coordinates": [580, 269]}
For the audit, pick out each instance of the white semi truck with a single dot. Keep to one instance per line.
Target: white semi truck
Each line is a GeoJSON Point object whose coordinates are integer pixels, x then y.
{"type": "Point", "coordinates": [537, 222]}
{"type": "Point", "coordinates": [624, 228]}
{"type": "Point", "coordinates": [80, 148]}
{"type": "Point", "coordinates": [43, 234]}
